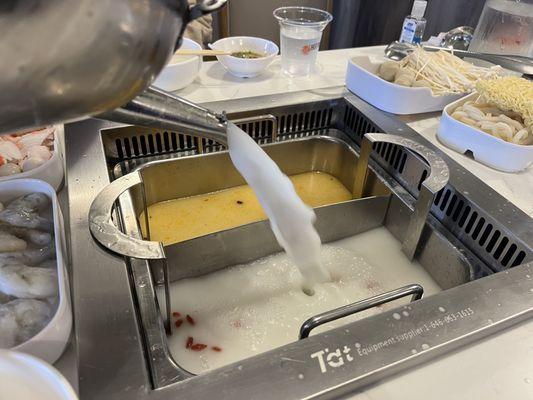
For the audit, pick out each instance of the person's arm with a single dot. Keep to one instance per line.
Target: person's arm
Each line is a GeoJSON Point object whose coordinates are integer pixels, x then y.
{"type": "Point", "coordinates": [200, 30]}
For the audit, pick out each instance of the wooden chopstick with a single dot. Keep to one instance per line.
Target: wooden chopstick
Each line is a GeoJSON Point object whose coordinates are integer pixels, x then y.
{"type": "Point", "coordinates": [190, 52]}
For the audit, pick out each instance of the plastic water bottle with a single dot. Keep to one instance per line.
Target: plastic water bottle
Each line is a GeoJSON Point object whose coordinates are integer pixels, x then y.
{"type": "Point", "coordinates": [414, 24]}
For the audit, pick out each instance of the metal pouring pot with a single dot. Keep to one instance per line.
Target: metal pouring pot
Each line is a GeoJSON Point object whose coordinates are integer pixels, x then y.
{"type": "Point", "coordinates": [65, 60]}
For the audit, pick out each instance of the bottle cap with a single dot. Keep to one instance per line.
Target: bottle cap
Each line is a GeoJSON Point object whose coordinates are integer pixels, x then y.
{"type": "Point", "coordinates": [419, 8]}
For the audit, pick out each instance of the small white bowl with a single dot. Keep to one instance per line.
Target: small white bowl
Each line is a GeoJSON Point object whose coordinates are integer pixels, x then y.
{"type": "Point", "coordinates": [52, 170]}
{"type": "Point", "coordinates": [181, 70]}
{"type": "Point", "coordinates": [245, 67]}
{"type": "Point", "coordinates": [25, 377]}
{"type": "Point", "coordinates": [485, 148]}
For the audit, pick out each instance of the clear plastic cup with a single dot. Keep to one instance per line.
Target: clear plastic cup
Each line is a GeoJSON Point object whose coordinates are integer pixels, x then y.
{"type": "Point", "coordinates": [300, 33]}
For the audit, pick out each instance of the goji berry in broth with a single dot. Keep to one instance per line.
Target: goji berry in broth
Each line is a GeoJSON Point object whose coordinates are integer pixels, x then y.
{"type": "Point", "coordinates": [178, 323]}
{"type": "Point", "coordinates": [216, 348]}
{"type": "Point", "coordinates": [189, 342]}
{"type": "Point", "coordinates": [190, 320]}
{"type": "Point", "coordinates": [198, 346]}
{"type": "Point", "coordinates": [176, 314]}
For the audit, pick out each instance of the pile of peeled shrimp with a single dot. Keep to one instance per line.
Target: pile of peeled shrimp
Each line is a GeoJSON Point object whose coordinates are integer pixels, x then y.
{"type": "Point", "coordinates": [506, 125]}
{"type": "Point", "coordinates": [28, 270]}
{"type": "Point", "coordinates": [20, 152]}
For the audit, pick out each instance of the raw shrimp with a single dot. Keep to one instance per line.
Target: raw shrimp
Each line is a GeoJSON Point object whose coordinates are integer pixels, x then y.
{"type": "Point", "coordinates": [9, 151]}
{"type": "Point", "coordinates": [34, 236]}
{"type": "Point", "coordinates": [28, 282]}
{"type": "Point", "coordinates": [39, 152]}
{"type": "Point", "coordinates": [9, 169]}
{"type": "Point", "coordinates": [9, 242]}
{"type": "Point", "coordinates": [4, 298]}
{"type": "Point", "coordinates": [31, 163]}
{"type": "Point", "coordinates": [31, 256]}
{"type": "Point", "coordinates": [29, 202]}
{"type": "Point", "coordinates": [35, 156]}
{"type": "Point", "coordinates": [35, 138]}
{"type": "Point", "coordinates": [25, 318]}
{"type": "Point", "coordinates": [24, 212]}
{"type": "Point", "coordinates": [8, 328]}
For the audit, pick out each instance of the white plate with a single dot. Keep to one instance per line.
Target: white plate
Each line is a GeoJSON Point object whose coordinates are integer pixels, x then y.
{"type": "Point", "coordinates": [362, 80]}
{"type": "Point", "coordinates": [23, 377]}
{"type": "Point", "coordinates": [50, 342]}
{"type": "Point", "coordinates": [52, 170]}
{"type": "Point", "coordinates": [485, 148]}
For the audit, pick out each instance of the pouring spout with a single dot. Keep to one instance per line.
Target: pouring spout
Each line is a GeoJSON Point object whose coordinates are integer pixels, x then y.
{"type": "Point", "coordinates": [156, 108]}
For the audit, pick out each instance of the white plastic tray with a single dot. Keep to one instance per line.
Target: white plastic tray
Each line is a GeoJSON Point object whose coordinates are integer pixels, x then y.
{"type": "Point", "coordinates": [51, 171]}
{"type": "Point", "coordinates": [362, 80]}
{"type": "Point", "coordinates": [485, 148]}
{"type": "Point", "coordinates": [50, 342]}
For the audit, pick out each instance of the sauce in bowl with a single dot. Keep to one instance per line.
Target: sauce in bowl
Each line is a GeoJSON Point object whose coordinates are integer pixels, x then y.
{"type": "Point", "coordinates": [247, 54]}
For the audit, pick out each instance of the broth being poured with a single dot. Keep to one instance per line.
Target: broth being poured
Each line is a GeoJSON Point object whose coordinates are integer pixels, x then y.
{"type": "Point", "coordinates": [290, 218]}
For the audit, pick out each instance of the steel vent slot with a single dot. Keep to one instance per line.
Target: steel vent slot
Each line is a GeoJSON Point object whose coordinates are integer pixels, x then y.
{"type": "Point", "coordinates": [303, 124]}
{"type": "Point", "coordinates": [149, 144]}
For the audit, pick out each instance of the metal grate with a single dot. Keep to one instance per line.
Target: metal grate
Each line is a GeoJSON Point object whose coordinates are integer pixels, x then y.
{"type": "Point", "coordinates": [131, 142]}
{"type": "Point", "coordinates": [470, 224]}
{"type": "Point", "coordinates": [149, 144]}
{"type": "Point", "coordinates": [129, 147]}
{"type": "Point", "coordinates": [465, 220]}
{"type": "Point", "coordinates": [304, 124]}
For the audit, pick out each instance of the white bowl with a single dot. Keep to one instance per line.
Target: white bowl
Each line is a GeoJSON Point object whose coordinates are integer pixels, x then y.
{"type": "Point", "coordinates": [24, 377]}
{"type": "Point", "coordinates": [181, 70]}
{"type": "Point", "coordinates": [49, 343]}
{"type": "Point", "coordinates": [485, 148]}
{"type": "Point", "coordinates": [52, 170]}
{"type": "Point", "coordinates": [245, 67]}
{"type": "Point", "coordinates": [362, 80]}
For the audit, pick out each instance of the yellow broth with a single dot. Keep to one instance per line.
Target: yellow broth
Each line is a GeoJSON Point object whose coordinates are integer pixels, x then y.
{"type": "Point", "coordinates": [181, 219]}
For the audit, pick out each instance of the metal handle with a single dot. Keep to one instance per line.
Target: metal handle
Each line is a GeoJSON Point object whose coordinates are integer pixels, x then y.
{"type": "Point", "coordinates": [156, 108]}
{"type": "Point", "coordinates": [415, 290]}
{"type": "Point", "coordinates": [107, 234]}
{"type": "Point", "coordinates": [437, 179]}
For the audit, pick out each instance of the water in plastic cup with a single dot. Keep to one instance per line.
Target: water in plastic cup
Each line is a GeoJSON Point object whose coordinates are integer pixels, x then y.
{"type": "Point", "coordinates": [300, 33]}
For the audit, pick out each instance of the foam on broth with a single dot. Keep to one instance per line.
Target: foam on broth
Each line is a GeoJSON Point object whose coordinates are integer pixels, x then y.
{"type": "Point", "coordinates": [249, 309]}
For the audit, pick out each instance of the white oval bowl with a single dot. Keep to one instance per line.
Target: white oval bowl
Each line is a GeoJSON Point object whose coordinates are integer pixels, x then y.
{"type": "Point", "coordinates": [362, 80]}
{"type": "Point", "coordinates": [180, 71]}
{"type": "Point", "coordinates": [486, 149]}
{"type": "Point", "coordinates": [243, 67]}
{"type": "Point", "coordinates": [26, 377]}
{"type": "Point", "coordinates": [49, 343]}
{"type": "Point", "coordinates": [52, 170]}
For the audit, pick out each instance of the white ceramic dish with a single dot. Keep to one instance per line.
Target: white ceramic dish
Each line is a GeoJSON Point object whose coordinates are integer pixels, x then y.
{"type": "Point", "coordinates": [362, 80]}
{"type": "Point", "coordinates": [181, 71]}
{"type": "Point", "coordinates": [52, 170]}
{"type": "Point", "coordinates": [245, 67]}
{"type": "Point", "coordinates": [23, 377]}
{"type": "Point", "coordinates": [50, 342]}
{"type": "Point", "coordinates": [485, 148]}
